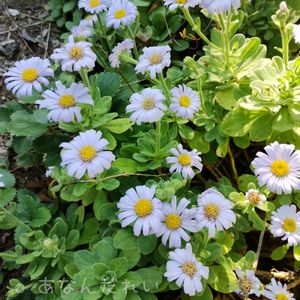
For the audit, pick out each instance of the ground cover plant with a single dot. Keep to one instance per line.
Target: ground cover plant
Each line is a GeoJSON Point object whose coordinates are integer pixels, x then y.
{"type": "Point", "coordinates": [169, 135]}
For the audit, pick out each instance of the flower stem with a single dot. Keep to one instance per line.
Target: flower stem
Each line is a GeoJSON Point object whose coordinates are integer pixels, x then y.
{"type": "Point", "coordinates": [196, 28]}
{"type": "Point", "coordinates": [15, 218]}
{"type": "Point", "coordinates": [164, 86]}
{"type": "Point", "coordinates": [85, 78]}
{"type": "Point", "coordinates": [158, 134]}
{"type": "Point", "coordinates": [235, 173]}
{"type": "Point", "coordinates": [104, 32]}
{"type": "Point", "coordinates": [225, 37]}
{"type": "Point", "coordinates": [285, 46]}
{"type": "Point", "coordinates": [132, 36]}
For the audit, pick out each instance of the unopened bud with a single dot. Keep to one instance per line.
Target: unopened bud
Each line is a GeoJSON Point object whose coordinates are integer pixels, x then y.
{"type": "Point", "coordinates": [283, 7]}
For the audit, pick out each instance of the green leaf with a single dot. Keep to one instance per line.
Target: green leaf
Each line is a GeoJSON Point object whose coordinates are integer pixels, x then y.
{"type": "Point", "coordinates": [6, 196]}
{"type": "Point", "coordinates": [103, 105]}
{"type": "Point", "coordinates": [32, 212]}
{"type": "Point", "coordinates": [280, 252]}
{"type": "Point", "coordinates": [297, 252]}
{"type": "Point", "coordinates": [259, 131]}
{"type": "Point", "coordinates": [199, 143]}
{"type": "Point", "coordinates": [236, 123]}
{"type": "Point", "coordinates": [105, 211]}
{"type": "Point", "coordinates": [126, 165]}
{"type": "Point", "coordinates": [124, 238]}
{"type": "Point", "coordinates": [147, 244]}
{"type": "Point", "coordinates": [222, 279]}
{"type": "Point", "coordinates": [109, 83]}
{"type": "Point", "coordinates": [31, 125]}
{"type": "Point", "coordinates": [256, 220]}
{"type": "Point", "coordinates": [4, 119]}
{"type": "Point", "coordinates": [186, 132]}
{"type": "Point", "coordinates": [69, 6]}
{"type": "Point", "coordinates": [118, 125]}
{"type": "Point", "coordinates": [133, 255]}
{"type": "Point", "coordinates": [151, 278]}
{"type": "Point", "coordinates": [7, 178]}
{"type": "Point", "coordinates": [226, 240]}
{"type": "Point", "coordinates": [282, 121]}
{"type": "Point", "coordinates": [119, 265]}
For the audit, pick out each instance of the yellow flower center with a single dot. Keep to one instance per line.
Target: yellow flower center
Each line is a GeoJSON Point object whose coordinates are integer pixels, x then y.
{"type": "Point", "coordinates": [76, 52]}
{"type": "Point", "coordinates": [173, 221]}
{"type": "Point", "coordinates": [120, 13]}
{"type": "Point", "coordinates": [280, 168]}
{"type": "Point", "coordinates": [66, 101]}
{"type": "Point", "coordinates": [181, 1]}
{"type": "Point", "coordinates": [95, 3]}
{"type": "Point", "coordinates": [189, 269]}
{"type": "Point", "coordinates": [282, 297]}
{"type": "Point", "coordinates": [155, 59]}
{"type": "Point", "coordinates": [211, 211]}
{"type": "Point", "coordinates": [289, 225]}
{"type": "Point", "coordinates": [245, 285]}
{"type": "Point", "coordinates": [87, 153]}
{"type": "Point", "coordinates": [254, 198]}
{"type": "Point", "coordinates": [148, 104]}
{"type": "Point", "coordinates": [143, 208]}
{"type": "Point", "coordinates": [185, 101]}
{"type": "Point", "coordinates": [184, 159]}
{"type": "Point", "coordinates": [30, 74]}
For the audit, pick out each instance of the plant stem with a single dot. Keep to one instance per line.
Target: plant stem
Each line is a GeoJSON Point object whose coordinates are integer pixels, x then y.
{"type": "Point", "coordinates": [285, 46]}
{"type": "Point", "coordinates": [235, 173]}
{"type": "Point", "coordinates": [225, 37]}
{"type": "Point", "coordinates": [132, 36]}
{"type": "Point", "coordinates": [195, 28]}
{"type": "Point", "coordinates": [164, 86]}
{"type": "Point", "coordinates": [122, 175]}
{"type": "Point", "coordinates": [85, 78]}
{"type": "Point", "coordinates": [260, 242]}
{"type": "Point", "coordinates": [15, 218]}
{"type": "Point", "coordinates": [158, 134]}
{"type": "Point", "coordinates": [104, 32]}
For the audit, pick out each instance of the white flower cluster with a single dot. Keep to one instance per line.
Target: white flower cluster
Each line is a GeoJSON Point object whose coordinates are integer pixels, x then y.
{"type": "Point", "coordinates": [173, 220]}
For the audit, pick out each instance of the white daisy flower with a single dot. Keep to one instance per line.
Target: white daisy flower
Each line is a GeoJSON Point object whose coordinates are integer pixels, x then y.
{"type": "Point", "coordinates": [49, 171]}
{"type": "Point", "coordinates": [93, 6]}
{"type": "Point", "coordinates": [255, 197]}
{"type": "Point", "coordinates": [85, 153]}
{"type": "Point", "coordinates": [285, 223]}
{"type": "Point", "coordinates": [126, 45]}
{"type": "Point", "coordinates": [248, 283]}
{"type": "Point", "coordinates": [75, 55]}
{"type": "Point", "coordinates": [279, 169]}
{"type": "Point", "coordinates": [183, 161]}
{"type": "Point", "coordinates": [174, 4]}
{"type": "Point", "coordinates": [177, 220]}
{"type": "Point", "coordinates": [83, 30]}
{"type": "Point", "coordinates": [220, 6]}
{"type": "Point", "coordinates": [89, 20]}
{"type": "Point", "coordinates": [154, 60]}
{"type": "Point", "coordinates": [184, 102]}
{"type": "Point", "coordinates": [140, 206]}
{"type": "Point", "coordinates": [120, 13]}
{"type": "Point", "coordinates": [296, 33]}
{"type": "Point", "coordinates": [28, 74]}
{"type": "Point", "coordinates": [186, 270]}
{"type": "Point", "coordinates": [146, 106]}
{"type": "Point", "coordinates": [2, 184]}
{"type": "Point", "coordinates": [277, 291]}
{"type": "Point", "coordinates": [214, 212]}
{"type": "Point", "coordinates": [63, 102]}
